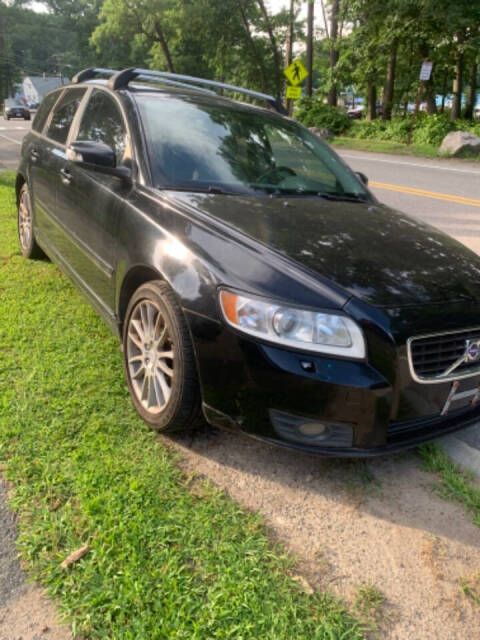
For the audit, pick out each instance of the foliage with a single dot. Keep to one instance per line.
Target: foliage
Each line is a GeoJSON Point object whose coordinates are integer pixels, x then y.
{"type": "Point", "coordinates": [225, 40]}
{"type": "Point", "coordinates": [313, 113]}
{"type": "Point", "coordinates": [366, 130]}
{"type": "Point", "coordinates": [428, 130]}
{"type": "Point", "coordinates": [432, 129]}
{"type": "Point", "coordinates": [170, 556]}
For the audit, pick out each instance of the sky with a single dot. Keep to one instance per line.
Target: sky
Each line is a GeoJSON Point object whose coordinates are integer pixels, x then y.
{"type": "Point", "coordinates": [276, 5]}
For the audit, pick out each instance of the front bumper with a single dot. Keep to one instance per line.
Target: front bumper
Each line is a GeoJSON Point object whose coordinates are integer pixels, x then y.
{"type": "Point", "coordinates": [245, 384]}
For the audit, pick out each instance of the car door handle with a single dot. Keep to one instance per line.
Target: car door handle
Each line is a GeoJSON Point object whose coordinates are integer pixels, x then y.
{"type": "Point", "coordinates": [66, 176]}
{"type": "Point", "coordinates": [34, 155]}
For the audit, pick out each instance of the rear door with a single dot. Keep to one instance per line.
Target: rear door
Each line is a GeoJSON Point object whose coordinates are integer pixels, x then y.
{"type": "Point", "coordinates": [48, 158]}
{"type": "Point", "coordinates": [41, 178]}
{"type": "Point", "coordinates": [88, 201]}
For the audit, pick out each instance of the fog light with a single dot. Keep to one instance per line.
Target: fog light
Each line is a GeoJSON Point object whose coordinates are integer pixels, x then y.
{"type": "Point", "coordinates": [312, 429]}
{"type": "Point", "coordinates": [308, 432]}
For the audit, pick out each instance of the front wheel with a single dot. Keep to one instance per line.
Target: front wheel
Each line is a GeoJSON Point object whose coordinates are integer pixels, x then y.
{"type": "Point", "coordinates": [26, 237]}
{"type": "Point", "coordinates": [159, 361]}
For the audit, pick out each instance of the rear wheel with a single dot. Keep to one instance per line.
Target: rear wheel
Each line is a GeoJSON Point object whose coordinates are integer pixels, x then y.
{"type": "Point", "coordinates": [26, 237]}
{"type": "Point", "coordinates": [159, 361]}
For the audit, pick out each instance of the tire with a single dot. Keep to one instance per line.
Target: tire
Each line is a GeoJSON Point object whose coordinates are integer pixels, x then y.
{"type": "Point", "coordinates": [26, 237]}
{"type": "Point", "coordinates": [164, 391]}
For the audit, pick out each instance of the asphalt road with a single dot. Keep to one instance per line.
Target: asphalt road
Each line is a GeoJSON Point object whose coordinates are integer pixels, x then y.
{"type": "Point", "coordinates": [11, 134]}
{"type": "Point", "coordinates": [444, 193]}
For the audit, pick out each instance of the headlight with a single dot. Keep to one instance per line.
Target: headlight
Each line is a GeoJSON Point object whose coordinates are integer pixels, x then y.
{"type": "Point", "coordinates": [307, 330]}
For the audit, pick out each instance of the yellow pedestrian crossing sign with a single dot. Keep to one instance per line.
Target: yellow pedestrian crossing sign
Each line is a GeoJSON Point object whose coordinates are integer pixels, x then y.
{"type": "Point", "coordinates": [294, 93]}
{"type": "Point", "coordinates": [296, 72]}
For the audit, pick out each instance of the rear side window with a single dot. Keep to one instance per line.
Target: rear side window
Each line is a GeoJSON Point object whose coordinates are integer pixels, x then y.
{"type": "Point", "coordinates": [102, 122]}
{"type": "Point", "coordinates": [63, 115]}
{"type": "Point", "coordinates": [43, 111]}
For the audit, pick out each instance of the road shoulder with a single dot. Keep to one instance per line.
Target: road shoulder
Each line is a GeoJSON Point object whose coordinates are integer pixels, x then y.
{"type": "Point", "coordinates": [25, 612]}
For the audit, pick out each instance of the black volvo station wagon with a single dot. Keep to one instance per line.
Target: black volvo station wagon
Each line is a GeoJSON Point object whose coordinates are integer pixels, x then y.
{"type": "Point", "coordinates": [251, 275]}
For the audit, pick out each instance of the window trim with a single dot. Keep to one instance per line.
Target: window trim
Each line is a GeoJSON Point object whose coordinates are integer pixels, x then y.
{"type": "Point", "coordinates": [52, 108]}
{"type": "Point", "coordinates": [63, 145]}
{"type": "Point", "coordinates": [75, 126]}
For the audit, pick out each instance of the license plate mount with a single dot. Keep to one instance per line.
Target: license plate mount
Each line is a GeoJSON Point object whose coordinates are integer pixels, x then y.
{"type": "Point", "coordinates": [455, 395]}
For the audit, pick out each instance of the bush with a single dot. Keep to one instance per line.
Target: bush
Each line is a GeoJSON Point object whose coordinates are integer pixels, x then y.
{"type": "Point", "coordinates": [398, 129]}
{"type": "Point", "coordinates": [313, 113]}
{"type": "Point", "coordinates": [363, 129]}
{"type": "Point", "coordinates": [432, 129]}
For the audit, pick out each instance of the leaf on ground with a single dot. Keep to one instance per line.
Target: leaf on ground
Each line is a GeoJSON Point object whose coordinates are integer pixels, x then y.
{"type": "Point", "coordinates": [73, 557]}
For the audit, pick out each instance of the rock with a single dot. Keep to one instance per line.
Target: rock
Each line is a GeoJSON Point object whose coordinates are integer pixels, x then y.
{"type": "Point", "coordinates": [456, 142]}
{"type": "Point", "coordinates": [324, 134]}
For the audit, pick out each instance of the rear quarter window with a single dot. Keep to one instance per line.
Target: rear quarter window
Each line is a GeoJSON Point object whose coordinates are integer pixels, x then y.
{"type": "Point", "coordinates": [63, 115]}
{"type": "Point", "coordinates": [43, 111]}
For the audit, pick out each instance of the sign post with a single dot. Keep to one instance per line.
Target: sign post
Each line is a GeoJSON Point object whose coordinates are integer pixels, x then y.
{"type": "Point", "coordinates": [295, 74]}
{"type": "Point", "coordinates": [425, 73]}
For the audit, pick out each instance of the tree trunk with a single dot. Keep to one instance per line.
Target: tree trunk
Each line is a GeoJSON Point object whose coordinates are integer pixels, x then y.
{"type": "Point", "coordinates": [273, 43]}
{"type": "Point", "coordinates": [430, 97]}
{"type": "Point", "coordinates": [444, 91]}
{"type": "Point", "coordinates": [458, 81]}
{"type": "Point", "coordinates": [371, 101]}
{"type": "Point", "coordinates": [165, 50]}
{"type": "Point", "coordinates": [388, 92]}
{"type": "Point", "coordinates": [333, 54]}
{"type": "Point", "coordinates": [289, 55]}
{"type": "Point", "coordinates": [472, 92]}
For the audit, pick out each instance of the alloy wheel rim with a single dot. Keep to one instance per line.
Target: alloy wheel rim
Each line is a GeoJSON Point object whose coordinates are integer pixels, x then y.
{"type": "Point", "coordinates": [150, 356]}
{"type": "Point", "coordinates": [24, 221]}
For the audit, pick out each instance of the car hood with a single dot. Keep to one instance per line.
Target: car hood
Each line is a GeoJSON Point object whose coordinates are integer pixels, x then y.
{"type": "Point", "coordinates": [375, 253]}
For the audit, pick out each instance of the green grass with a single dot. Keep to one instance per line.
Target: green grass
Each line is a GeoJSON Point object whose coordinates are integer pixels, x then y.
{"type": "Point", "coordinates": [369, 604]}
{"type": "Point", "coordinates": [164, 561]}
{"type": "Point", "coordinates": [387, 146]}
{"type": "Point", "coordinates": [454, 483]}
{"type": "Point", "coordinates": [471, 588]}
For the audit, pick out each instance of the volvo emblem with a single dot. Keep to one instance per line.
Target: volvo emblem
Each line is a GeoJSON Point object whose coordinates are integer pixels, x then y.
{"type": "Point", "coordinates": [472, 350]}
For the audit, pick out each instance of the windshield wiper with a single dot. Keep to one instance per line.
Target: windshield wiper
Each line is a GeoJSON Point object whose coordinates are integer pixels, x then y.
{"type": "Point", "coordinates": [347, 197]}
{"type": "Point", "coordinates": [197, 189]}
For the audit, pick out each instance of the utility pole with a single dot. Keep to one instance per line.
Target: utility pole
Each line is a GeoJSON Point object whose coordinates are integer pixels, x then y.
{"type": "Point", "coordinates": [289, 56]}
{"type": "Point", "coordinates": [310, 47]}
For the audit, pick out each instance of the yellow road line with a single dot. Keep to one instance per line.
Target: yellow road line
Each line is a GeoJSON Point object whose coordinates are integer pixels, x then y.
{"type": "Point", "coordinates": [473, 202]}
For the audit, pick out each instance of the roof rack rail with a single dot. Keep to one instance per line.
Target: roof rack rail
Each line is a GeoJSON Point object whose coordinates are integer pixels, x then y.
{"type": "Point", "coordinates": [121, 80]}
{"type": "Point", "coordinates": [91, 72]}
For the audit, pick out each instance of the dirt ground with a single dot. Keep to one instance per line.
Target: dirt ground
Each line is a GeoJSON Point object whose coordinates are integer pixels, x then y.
{"type": "Point", "coordinates": [356, 522]}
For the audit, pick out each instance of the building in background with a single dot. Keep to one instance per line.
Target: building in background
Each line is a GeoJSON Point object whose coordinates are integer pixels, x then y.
{"type": "Point", "coordinates": [35, 87]}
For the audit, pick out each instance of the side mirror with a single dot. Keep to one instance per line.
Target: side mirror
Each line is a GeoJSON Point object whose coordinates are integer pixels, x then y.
{"type": "Point", "coordinates": [362, 177]}
{"type": "Point", "coordinates": [97, 156]}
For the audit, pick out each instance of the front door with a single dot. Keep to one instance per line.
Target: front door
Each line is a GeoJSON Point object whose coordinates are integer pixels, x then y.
{"type": "Point", "coordinates": [89, 201]}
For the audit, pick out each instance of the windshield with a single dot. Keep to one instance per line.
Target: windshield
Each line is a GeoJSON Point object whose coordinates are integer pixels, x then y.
{"type": "Point", "coordinates": [200, 145]}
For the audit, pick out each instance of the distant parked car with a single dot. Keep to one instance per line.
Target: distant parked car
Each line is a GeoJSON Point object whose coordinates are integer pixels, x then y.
{"type": "Point", "coordinates": [355, 113]}
{"type": "Point", "coordinates": [12, 109]}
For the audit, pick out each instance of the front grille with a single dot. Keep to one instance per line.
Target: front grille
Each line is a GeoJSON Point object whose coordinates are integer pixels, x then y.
{"type": "Point", "coordinates": [431, 356]}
